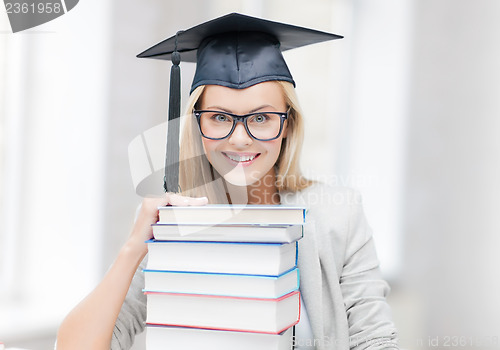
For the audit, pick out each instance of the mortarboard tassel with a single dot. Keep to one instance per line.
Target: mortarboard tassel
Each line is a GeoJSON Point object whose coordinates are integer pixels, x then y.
{"type": "Point", "coordinates": [171, 178]}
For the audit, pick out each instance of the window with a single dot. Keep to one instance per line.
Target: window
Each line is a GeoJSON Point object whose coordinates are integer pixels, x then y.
{"type": "Point", "coordinates": [53, 120]}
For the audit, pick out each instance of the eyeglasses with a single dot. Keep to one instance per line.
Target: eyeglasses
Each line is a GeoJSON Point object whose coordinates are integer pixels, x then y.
{"type": "Point", "coordinates": [262, 126]}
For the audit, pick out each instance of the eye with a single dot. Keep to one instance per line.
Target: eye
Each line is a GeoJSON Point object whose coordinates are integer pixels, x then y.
{"type": "Point", "coordinates": [220, 118]}
{"type": "Point", "coordinates": [260, 118]}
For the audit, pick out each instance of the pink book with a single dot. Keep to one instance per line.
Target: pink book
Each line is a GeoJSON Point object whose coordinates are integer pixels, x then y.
{"type": "Point", "coordinates": [261, 315]}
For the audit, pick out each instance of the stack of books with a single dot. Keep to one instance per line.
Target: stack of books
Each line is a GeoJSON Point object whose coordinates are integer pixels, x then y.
{"type": "Point", "coordinates": [223, 277]}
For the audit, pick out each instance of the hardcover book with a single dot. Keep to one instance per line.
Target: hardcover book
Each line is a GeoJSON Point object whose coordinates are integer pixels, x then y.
{"type": "Point", "coordinates": [181, 338]}
{"type": "Point", "coordinates": [232, 214]}
{"type": "Point", "coordinates": [224, 313]}
{"type": "Point", "coordinates": [228, 233]}
{"type": "Point", "coordinates": [250, 286]}
{"type": "Point", "coordinates": [268, 259]}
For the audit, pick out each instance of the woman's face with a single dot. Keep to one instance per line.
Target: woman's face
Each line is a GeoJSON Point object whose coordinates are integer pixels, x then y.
{"type": "Point", "coordinates": [241, 159]}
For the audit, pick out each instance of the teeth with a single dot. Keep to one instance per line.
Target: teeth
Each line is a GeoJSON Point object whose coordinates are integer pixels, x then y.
{"type": "Point", "coordinates": [240, 159]}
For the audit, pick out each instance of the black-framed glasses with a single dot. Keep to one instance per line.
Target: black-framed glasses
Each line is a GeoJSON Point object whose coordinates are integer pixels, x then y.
{"type": "Point", "coordinates": [262, 126]}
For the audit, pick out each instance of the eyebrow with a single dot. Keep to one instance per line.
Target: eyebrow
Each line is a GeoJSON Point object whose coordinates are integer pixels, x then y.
{"type": "Point", "coordinates": [229, 111]}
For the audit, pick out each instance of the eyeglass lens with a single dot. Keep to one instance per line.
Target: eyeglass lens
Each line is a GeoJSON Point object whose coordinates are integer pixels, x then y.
{"type": "Point", "coordinates": [261, 126]}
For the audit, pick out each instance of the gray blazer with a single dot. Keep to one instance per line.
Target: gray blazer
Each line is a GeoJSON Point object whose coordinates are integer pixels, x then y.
{"type": "Point", "coordinates": [340, 280]}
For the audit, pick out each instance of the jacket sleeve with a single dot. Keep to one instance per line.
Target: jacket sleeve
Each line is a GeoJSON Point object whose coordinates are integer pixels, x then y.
{"type": "Point", "coordinates": [363, 289]}
{"type": "Point", "coordinates": [132, 317]}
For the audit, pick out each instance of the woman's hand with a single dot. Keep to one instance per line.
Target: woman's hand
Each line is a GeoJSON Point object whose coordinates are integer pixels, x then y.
{"type": "Point", "coordinates": [90, 324]}
{"type": "Point", "coordinates": [148, 215]}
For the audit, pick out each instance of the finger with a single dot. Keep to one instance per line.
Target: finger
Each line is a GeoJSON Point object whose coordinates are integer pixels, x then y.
{"type": "Point", "coordinates": [199, 201]}
{"type": "Point", "coordinates": [176, 199]}
{"type": "Point", "coordinates": [156, 201]}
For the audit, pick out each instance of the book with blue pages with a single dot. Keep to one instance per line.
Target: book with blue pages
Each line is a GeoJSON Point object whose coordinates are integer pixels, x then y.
{"type": "Point", "coordinates": [228, 232]}
{"type": "Point", "coordinates": [223, 257]}
{"type": "Point", "coordinates": [224, 284]}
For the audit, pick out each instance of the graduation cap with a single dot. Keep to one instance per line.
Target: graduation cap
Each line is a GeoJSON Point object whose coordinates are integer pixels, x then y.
{"type": "Point", "coordinates": [235, 51]}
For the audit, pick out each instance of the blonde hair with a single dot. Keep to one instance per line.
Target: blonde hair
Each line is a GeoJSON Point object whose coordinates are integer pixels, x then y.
{"type": "Point", "coordinates": [198, 177]}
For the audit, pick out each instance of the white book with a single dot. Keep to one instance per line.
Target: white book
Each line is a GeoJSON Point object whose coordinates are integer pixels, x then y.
{"type": "Point", "coordinates": [270, 259]}
{"type": "Point", "coordinates": [228, 232]}
{"type": "Point", "coordinates": [232, 214]}
{"type": "Point", "coordinates": [250, 286]}
{"type": "Point", "coordinates": [180, 338]}
{"type": "Point", "coordinates": [224, 313]}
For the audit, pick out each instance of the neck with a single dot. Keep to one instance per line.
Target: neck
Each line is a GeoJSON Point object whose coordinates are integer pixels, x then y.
{"type": "Point", "coordinates": [262, 192]}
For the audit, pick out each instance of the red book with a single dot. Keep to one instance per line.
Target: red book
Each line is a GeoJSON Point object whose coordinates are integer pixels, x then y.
{"type": "Point", "coordinates": [165, 337]}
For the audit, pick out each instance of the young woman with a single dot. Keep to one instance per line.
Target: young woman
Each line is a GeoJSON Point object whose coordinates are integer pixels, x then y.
{"type": "Point", "coordinates": [242, 145]}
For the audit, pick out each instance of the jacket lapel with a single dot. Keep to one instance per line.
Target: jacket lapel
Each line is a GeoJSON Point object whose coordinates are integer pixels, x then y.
{"type": "Point", "coordinates": [310, 279]}
{"type": "Point", "coordinates": [309, 270]}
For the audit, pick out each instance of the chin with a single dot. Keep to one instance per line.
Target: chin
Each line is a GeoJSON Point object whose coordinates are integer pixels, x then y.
{"type": "Point", "coordinates": [238, 177]}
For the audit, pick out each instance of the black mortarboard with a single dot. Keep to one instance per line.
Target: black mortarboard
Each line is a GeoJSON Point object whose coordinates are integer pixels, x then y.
{"type": "Point", "coordinates": [235, 51]}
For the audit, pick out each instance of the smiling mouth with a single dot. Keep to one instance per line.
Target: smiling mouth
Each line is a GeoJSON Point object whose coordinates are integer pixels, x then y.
{"type": "Point", "coordinates": [241, 158]}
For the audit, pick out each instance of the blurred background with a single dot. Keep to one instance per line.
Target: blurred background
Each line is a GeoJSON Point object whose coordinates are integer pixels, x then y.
{"type": "Point", "coordinates": [405, 108]}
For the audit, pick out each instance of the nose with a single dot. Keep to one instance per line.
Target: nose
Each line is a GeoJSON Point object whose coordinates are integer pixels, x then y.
{"type": "Point", "coordinates": [240, 137]}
